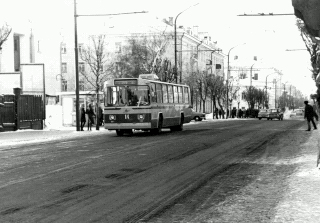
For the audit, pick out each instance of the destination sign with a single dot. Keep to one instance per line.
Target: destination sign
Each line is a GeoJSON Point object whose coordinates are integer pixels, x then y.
{"type": "Point", "coordinates": [125, 82]}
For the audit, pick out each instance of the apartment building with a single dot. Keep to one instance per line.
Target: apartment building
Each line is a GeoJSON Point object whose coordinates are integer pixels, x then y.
{"type": "Point", "coordinates": [28, 46]}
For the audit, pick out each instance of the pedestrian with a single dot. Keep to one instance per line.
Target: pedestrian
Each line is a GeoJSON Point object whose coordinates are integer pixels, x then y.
{"type": "Point", "coordinates": [90, 114]}
{"type": "Point", "coordinates": [247, 113]}
{"type": "Point", "coordinates": [100, 116]}
{"type": "Point", "coordinates": [217, 113]}
{"type": "Point", "coordinates": [240, 113]}
{"type": "Point", "coordinates": [220, 113]}
{"type": "Point", "coordinates": [82, 117]}
{"type": "Point", "coordinates": [309, 114]}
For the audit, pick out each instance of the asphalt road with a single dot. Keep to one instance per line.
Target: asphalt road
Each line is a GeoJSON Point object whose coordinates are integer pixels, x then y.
{"type": "Point", "coordinates": [138, 178]}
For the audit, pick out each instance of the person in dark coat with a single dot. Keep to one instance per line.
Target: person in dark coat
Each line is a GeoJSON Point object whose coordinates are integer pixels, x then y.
{"type": "Point", "coordinates": [90, 114]}
{"type": "Point", "coordinates": [217, 113]}
{"type": "Point", "coordinates": [309, 114]}
{"type": "Point", "coordinates": [220, 113]}
{"type": "Point", "coordinates": [82, 118]}
{"type": "Point", "coordinates": [240, 113]}
{"type": "Point", "coordinates": [100, 116]}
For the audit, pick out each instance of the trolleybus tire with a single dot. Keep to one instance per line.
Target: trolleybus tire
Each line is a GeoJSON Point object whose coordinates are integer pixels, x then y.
{"type": "Point", "coordinates": [178, 127]}
{"type": "Point", "coordinates": [159, 129]}
{"type": "Point", "coordinates": [119, 132]}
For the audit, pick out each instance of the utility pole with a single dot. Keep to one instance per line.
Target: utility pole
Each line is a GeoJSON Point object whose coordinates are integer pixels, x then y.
{"type": "Point", "coordinates": [175, 44]}
{"type": "Point", "coordinates": [77, 66]}
{"type": "Point", "coordinates": [77, 57]}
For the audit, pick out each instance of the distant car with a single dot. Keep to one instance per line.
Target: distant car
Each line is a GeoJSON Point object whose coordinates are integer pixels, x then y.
{"type": "Point", "coordinates": [275, 113]}
{"type": "Point", "coordinates": [263, 113]}
{"type": "Point", "coordinates": [297, 113]}
{"type": "Point", "coordinates": [197, 116]}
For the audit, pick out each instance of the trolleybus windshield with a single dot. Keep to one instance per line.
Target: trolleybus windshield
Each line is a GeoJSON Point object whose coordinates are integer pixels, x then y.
{"type": "Point", "coordinates": [132, 95]}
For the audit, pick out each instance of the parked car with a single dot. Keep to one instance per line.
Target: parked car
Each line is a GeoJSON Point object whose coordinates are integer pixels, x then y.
{"type": "Point", "coordinates": [275, 113]}
{"type": "Point", "coordinates": [197, 116]}
{"type": "Point", "coordinates": [263, 113]}
{"type": "Point", "coordinates": [297, 113]}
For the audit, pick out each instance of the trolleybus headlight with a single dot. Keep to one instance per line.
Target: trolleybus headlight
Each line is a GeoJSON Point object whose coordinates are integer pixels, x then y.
{"type": "Point", "coordinates": [112, 117]}
{"type": "Point", "coordinates": [140, 117]}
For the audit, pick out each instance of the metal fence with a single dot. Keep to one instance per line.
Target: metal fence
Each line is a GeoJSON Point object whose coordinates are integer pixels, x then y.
{"type": "Point", "coordinates": [21, 112]}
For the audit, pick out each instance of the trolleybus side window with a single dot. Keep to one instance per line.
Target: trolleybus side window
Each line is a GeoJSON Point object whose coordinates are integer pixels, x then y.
{"type": "Point", "coordinates": [186, 95]}
{"type": "Point", "coordinates": [112, 96]}
{"type": "Point", "coordinates": [127, 95]}
{"type": "Point", "coordinates": [180, 94]}
{"type": "Point", "coordinates": [165, 93]}
{"type": "Point", "coordinates": [159, 93]}
{"type": "Point", "coordinates": [175, 94]}
{"type": "Point", "coordinates": [170, 93]}
{"type": "Point", "coordinates": [153, 94]}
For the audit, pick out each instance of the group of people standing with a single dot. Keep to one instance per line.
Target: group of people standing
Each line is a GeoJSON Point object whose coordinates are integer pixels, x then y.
{"type": "Point", "coordinates": [235, 113]}
{"type": "Point", "coordinates": [89, 112]}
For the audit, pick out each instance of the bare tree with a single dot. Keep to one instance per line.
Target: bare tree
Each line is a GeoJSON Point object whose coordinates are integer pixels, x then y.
{"type": "Point", "coordinates": [96, 57]}
{"type": "Point", "coordinates": [233, 89]}
{"type": "Point", "coordinates": [310, 45]}
{"type": "Point", "coordinates": [203, 83]}
{"type": "Point", "coordinates": [5, 31]}
{"type": "Point", "coordinates": [216, 87]}
{"type": "Point", "coordinates": [145, 54]}
{"type": "Point", "coordinates": [312, 48]}
{"type": "Point", "coordinates": [255, 97]}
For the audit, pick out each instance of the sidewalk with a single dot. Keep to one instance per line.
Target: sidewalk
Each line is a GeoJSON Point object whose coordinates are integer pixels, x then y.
{"type": "Point", "coordinates": [301, 202]}
{"type": "Point", "coordinates": [32, 136]}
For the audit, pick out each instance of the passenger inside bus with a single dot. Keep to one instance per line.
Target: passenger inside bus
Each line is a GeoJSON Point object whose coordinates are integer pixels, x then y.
{"type": "Point", "coordinates": [128, 96]}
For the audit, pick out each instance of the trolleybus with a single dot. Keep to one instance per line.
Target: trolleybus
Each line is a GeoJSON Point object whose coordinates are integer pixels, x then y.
{"type": "Point", "coordinates": [145, 104]}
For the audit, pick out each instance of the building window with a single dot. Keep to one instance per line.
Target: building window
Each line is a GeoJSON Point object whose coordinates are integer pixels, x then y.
{"type": "Point", "coordinates": [64, 85]}
{"type": "Point", "coordinates": [39, 46]}
{"type": "Point", "coordinates": [64, 67]}
{"type": "Point", "coordinates": [81, 67]}
{"type": "Point", "coordinates": [118, 47]}
{"type": "Point", "coordinates": [243, 76]}
{"type": "Point", "coordinates": [81, 85]}
{"type": "Point", "coordinates": [80, 48]}
{"type": "Point", "coordinates": [63, 48]}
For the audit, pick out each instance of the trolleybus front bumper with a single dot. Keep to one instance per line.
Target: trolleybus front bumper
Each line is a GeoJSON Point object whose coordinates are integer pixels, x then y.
{"type": "Point", "coordinates": [115, 126]}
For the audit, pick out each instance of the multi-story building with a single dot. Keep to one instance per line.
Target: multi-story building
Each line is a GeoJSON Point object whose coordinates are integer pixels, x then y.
{"type": "Point", "coordinates": [266, 79]}
{"type": "Point", "coordinates": [26, 45]}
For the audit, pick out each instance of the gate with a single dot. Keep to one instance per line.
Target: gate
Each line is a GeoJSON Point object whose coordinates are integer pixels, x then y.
{"type": "Point", "coordinates": [22, 111]}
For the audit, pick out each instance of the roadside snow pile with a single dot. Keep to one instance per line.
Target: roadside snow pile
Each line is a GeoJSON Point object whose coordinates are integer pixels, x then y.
{"type": "Point", "coordinates": [286, 114]}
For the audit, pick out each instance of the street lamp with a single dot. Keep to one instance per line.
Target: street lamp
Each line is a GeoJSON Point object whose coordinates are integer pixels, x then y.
{"type": "Point", "coordinates": [267, 84]}
{"type": "Point", "coordinates": [228, 74]}
{"type": "Point", "coordinates": [284, 93]}
{"type": "Point", "coordinates": [175, 42]}
{"type": "Point", "coordinates": [251, 74]}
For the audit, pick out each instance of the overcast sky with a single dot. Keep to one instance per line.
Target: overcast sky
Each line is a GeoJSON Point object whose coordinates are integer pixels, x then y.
{"type": "Point", "coordinates": [265, 37]}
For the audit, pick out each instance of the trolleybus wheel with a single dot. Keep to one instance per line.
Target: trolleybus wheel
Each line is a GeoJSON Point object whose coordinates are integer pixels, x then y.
{"type": "Point", "coordinates": [159, 129]}
{"type": "Point", "coordinates": [178, 127]}
{"type": "Point", "coordinates": [119, 132]}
